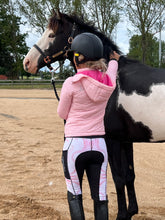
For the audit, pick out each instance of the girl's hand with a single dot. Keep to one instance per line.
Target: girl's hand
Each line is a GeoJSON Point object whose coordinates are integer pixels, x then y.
{"type": "Point", "coordinates": [114, 55]}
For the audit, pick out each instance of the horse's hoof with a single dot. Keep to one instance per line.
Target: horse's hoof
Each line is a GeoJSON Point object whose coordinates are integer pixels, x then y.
{"type": "Point", "coordinates": [132, 210]}
{"type": "Point", "coordinates": [132, 213]}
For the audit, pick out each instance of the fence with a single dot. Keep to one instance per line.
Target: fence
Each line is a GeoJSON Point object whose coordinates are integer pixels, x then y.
{"type": "Point", "coordinates": [29, 83]}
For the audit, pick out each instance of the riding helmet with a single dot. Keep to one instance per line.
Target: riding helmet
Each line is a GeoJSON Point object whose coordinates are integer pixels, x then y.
{"type": "Point", "coordinates": [89, 45]}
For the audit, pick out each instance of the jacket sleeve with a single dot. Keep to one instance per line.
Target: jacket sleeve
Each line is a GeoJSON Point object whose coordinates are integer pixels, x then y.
{"type": "Point", "coordinates": [112, 71]}
{"type": "Point", "coordinates": [65, 100]}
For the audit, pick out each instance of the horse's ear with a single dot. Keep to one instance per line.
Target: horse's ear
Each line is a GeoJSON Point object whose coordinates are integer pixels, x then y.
{"type": "Point", "coordinates": [58, 15]}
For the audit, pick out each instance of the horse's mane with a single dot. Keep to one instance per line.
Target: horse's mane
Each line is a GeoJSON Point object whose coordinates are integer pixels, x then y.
{"type": "Point", "coordinates": [73, 18]}
{"type": "Point", "coordinates": [86, 26]}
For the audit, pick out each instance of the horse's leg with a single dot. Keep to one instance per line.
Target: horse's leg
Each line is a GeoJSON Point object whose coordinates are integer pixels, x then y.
{"type": "Point", "coordinates": [115, 161]}
{"type": "Point", "coordinates": [130, 177]}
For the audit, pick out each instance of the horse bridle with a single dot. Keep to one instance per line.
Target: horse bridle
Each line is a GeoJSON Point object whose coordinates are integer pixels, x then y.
{"type": "Point", "coordinates": [48, 59]}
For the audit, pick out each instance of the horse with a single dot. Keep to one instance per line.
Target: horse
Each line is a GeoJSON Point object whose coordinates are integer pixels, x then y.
{"type": "Point", "coordinates": [135, 111]}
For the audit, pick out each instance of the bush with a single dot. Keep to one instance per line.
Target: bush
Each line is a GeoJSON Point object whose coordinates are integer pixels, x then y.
{"type": "Point", "coordinates": [45, 75]}
{"type": "Point", "coordinates": [67, 72]}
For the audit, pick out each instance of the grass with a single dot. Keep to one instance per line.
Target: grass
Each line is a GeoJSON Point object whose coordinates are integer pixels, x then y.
{"type": "Point", "coordinates": [30, 86]}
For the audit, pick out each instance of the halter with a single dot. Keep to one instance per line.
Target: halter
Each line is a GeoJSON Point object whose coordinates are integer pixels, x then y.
{"type": "Point", "coordinates": [48, 59]}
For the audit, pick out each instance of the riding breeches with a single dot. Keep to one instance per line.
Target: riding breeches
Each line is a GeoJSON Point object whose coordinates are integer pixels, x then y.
{"type": "Point", "coordinates": [90, 155]}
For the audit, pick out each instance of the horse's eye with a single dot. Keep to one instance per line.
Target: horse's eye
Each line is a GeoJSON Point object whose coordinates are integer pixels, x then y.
{"type": "Point", "coordinates": [52, 35]}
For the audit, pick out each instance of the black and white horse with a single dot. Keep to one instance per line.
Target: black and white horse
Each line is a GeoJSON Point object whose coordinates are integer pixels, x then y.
{"type": "Point", "coordinates": [135, 112]}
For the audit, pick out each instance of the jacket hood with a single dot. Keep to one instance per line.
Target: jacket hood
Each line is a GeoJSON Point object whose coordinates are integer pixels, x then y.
{"type": "Point", "coordinates": [95, 90]}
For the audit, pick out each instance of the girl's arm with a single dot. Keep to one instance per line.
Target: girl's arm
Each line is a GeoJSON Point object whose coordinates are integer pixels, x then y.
{"type": "Point", "coordinates": [113, 67]}
{"type": "Point", "coordinates": [65, 100]}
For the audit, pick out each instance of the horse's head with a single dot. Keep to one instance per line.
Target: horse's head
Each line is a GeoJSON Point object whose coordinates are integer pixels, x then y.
{"type": "Point", "coordinates": [56, 40]}
{"type": "Point", "coordinates": [52, 46]}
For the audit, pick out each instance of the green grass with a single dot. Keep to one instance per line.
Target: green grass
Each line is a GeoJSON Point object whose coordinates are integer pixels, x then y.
{"type": "Point", "coordinates": [31, 86]}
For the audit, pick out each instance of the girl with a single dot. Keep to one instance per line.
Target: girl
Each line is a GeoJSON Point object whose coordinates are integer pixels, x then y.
{"type": "Point", "coordinates": [82, 104]}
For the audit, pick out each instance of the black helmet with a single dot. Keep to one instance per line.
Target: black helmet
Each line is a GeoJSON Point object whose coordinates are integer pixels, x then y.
{"type": "Point", "coordinates": [89, 45]}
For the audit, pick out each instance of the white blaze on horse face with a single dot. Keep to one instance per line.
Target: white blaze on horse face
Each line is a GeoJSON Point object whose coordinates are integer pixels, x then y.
{"type": "Point", "coordinates": [150, 110]}
{"type": "Point", "coordinates": [30, 62]}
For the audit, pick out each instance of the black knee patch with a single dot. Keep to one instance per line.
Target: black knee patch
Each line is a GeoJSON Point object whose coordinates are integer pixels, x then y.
{"type": "Point", "coordinates": [65, 165]}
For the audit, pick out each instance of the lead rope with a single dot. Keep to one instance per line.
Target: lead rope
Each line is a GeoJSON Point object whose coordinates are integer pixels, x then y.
{"type": "Point", "coordinates": [52, 70]}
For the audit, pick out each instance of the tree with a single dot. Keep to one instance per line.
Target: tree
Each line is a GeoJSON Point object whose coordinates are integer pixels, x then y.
{"type": "Point", "coordinates": [145, 16]}
{"type": "Point", "coordinates": [37, 12]}
{"type": "Point", "coordinates": [105, 14]}
{"type": "Point", "coordinates": [12, 43]}
{"type": "Point", "coordinates": [152, 56]}
{"type": "Point", "coordinates": [67, 72]}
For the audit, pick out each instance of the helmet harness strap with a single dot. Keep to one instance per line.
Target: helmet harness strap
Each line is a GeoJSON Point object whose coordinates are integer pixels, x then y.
{"type": "Point", "coordinates": [83, 60]}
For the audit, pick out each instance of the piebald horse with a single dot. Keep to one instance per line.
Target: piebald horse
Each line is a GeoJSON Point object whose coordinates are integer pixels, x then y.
{"type": "Point", "coordinates": [134, 113]}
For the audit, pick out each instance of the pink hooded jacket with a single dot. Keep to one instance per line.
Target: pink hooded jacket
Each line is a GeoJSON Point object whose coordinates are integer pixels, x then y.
{"type": "Point", "coordinates": [83, 100]}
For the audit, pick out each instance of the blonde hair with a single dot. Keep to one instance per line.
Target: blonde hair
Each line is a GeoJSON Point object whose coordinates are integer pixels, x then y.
{"type": "Point", "coordinates": [96, 65]}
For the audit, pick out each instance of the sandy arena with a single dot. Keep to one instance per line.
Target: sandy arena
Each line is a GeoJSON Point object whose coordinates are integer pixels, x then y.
{"type": "Point", "coordinates": [32, 184]}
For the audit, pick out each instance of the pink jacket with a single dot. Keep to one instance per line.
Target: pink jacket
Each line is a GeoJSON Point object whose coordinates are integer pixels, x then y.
{"type": "Point", "coordinates": [83, 101]}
